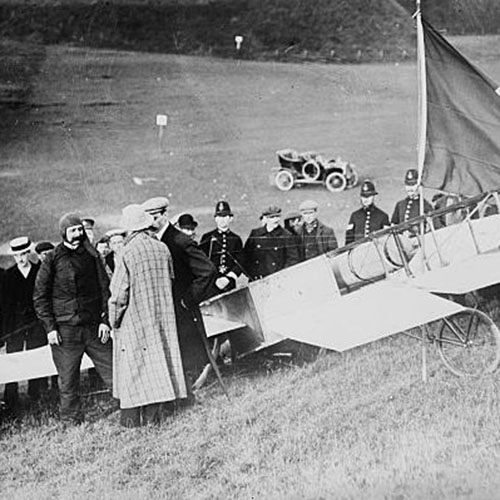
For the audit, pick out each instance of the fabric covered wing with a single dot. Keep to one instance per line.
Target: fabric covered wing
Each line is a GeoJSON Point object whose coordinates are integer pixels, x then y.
{"type": "Point", "coordinates": [35, 363]}
{"type": "Point", "coordinates": [371, 313]}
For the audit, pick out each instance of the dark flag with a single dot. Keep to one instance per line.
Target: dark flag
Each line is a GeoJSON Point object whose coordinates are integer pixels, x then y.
{"type": "Point", "coordinates": [462, 153]}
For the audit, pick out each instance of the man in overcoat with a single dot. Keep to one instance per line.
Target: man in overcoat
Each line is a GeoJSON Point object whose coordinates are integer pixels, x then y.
{"type": "Point", "coordinates": [316, 238]}
{"type": "Point", "coordinates": [71, 299]}
{"type": "Point", "coordinates": [148, 374]}
{"type": "Point", "coordinates": [269, 248]}
{"type": "Point", "coordinates": [22, 329]}
{"type": "Point", "coordinates": [367, 219]}
{"type": "Point", "coordinates": [224, 248]}
{"type": "Point", "coordinates": [194, 276]}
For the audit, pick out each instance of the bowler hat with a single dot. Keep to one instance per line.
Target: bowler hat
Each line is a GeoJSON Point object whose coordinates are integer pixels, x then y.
{"type": "Point", "coordinates": [222, 209]}
{"type": "Point", "coordinates": [271, 210]}
{"type": "Point", "coordinates": [411, 177]}
{"type": "Point", "coordinates": [187, 221]}
{"type": "Point", "coordinates": [368, 189]}
{"type": "Point", "coordinates": [20, 245]}
{"type": "Point", "coordinates": [155, 204]}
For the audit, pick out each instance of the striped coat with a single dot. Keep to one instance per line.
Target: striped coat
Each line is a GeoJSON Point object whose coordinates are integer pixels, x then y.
{"type": "Point", "coordinates": [147, 360]}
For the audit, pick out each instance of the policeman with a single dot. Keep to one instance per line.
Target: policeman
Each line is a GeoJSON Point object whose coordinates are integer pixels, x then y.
{"type": "Point", "coordinates": [368, 218]}
{"type": "Point", "coordinates": [224, 248]}
{"type": "Point", "coordinates": [269, 248]}
{"type": "Point", "coordinates": [409, 208]}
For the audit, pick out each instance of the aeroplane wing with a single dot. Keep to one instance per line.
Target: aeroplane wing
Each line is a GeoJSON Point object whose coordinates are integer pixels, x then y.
{"type": "Point", "coordinates": [26, 365]}
{"type": "Point", "coordinates": [462, 277]}
{"type": "Point", "coordinates": [368, 314]}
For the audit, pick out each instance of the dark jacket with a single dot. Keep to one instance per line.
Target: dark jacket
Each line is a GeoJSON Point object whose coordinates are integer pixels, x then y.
{"type": "Point", "coordinates": [324, 236]}
{"type": "Point", "coordinates": [364, 221]}
{"type": "Point", "coordinates": [194, 272]}
{"type": "Point", "coordinates": [19, 319]}
{"type": "Point", "coordinates": [225, 250]}
{"type": "Point", "coordinates": [57, 298]}
{"type": "Point", "coordinates": [408, 209]}
{"type": "Point", "coordinates": [268, 252]}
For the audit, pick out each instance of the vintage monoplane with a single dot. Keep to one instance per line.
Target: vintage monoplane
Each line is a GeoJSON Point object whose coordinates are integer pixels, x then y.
{"type": "Point", "coordinates": [415, 274]}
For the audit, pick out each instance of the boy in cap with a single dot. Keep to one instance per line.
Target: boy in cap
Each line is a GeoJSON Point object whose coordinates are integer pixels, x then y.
{"type": "Point", "coordinates": [224, 248]}
{"type": "Point", "coordinates": [409, 208]}
{"type": "Point", "coordinates": [316, 238]}
{"type": "Point", "coordinates": [43, 248]}
{"type": "Point", "coordinates": [269, 248]}
{"type": "Point", "coordinates": [71, 299]}
{"type": "Point", "coordinates": [88, 226]}
{"type": "Point", "coordinates": [368, 218]}
{"type": "Point", "coordinates": [21, 328]}
{"type": "Point", "coordinates": [194, 278]}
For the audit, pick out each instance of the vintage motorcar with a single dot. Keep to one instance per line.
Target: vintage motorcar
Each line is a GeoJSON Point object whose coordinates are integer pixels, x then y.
{"type": "Point", "coordinates": [312, 168]}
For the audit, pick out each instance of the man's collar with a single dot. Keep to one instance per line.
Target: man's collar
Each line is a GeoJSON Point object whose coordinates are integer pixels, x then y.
{"type": "Point", "coordinates": [161, 232]}
{"type": "Point", "coordinates": [71, 246]}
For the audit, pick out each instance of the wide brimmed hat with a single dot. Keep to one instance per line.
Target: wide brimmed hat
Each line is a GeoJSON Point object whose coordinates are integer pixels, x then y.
{"type": "Point", "coordinates": [134, 218]}
{"type": "Point", "coordinates": [368, 189]}
{"type": "Point", "coordinates": [19, 245]}
{"type": "Point", "coordinates": [222, 209]}
{"type": "Point", "coordinates": [187, 221]}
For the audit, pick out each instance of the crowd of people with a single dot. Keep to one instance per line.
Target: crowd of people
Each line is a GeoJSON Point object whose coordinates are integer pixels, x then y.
{"type": "Point", "coordinates": [130, 299]}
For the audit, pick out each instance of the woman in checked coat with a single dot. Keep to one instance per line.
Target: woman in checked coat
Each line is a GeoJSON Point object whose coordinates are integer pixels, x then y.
{"type": "Point", "coordinates": [148, 374]}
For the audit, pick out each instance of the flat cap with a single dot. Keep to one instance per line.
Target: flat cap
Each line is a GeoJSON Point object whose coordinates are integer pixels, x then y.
{"type": "Point", "coordinates": [271, 210]}
{"type": "Point", "coordinates": [43, 246]}
{"type": "Point", "coordinates": [155, 204]}
{"type": "Point", "coordinates": [308, 205]}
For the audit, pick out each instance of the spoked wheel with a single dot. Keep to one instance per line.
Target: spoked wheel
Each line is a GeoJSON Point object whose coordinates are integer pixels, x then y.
{"type": "Point", "coordinates": [469, 343]}
{"type": "Point", "coordinates": [284, 180]}
{"type": "Point", "coordinates": [335, 182]}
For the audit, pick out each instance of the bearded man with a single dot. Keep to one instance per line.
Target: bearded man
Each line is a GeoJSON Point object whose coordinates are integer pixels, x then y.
{"type": "Point", "coordinates": [71, 299]}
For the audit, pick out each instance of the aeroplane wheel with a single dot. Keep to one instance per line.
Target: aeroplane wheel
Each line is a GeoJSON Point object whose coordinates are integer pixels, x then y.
{"type": "Point", "coordinates": [469, 343]}
{"type": "Point", "coordinates": [335, 182]}
{"type": "Point", "coordinates": [284, 180]}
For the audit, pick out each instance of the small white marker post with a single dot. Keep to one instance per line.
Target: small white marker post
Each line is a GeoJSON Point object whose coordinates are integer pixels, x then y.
{"type": "Point", "coordinates": [238, 40]}
{"type": "Point", "coordinates": [161, 121]}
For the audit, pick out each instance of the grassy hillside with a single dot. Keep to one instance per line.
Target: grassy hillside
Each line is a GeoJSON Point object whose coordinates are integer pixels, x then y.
{"type": "Point", "coordinates": [333, 30]}
{"type": "Point", "coordinates": [355, 425]}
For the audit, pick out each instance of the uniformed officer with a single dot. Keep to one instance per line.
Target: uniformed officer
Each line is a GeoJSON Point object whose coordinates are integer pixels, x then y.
{"type": "Point", "coordinates": [269, 248]}
{"type": "Point", "coordinates": [224, 248]}
{"type": "Point", "coordinates": [409, 208]}
{"type": "Point", "coordinates": [316, 238]}
{"type": "Point", "coordinates": [368, 218]}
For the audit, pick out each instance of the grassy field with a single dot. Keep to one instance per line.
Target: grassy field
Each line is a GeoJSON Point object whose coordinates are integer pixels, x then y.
{"type": "Point", "coordinates": [356, 425]}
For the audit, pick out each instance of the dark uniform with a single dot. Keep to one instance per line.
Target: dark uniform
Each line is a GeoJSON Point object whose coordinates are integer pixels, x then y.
{"type": "Point", "coordinates": [268, 252]}
{"type": "Point", "coordinates": [364, 221]}
{"type": "Point", "coordinates": [21, 327]}
{"type": "Point", "coordinates": [409, 208]}
{"type": "Point", "coordinates": [225, 250]}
